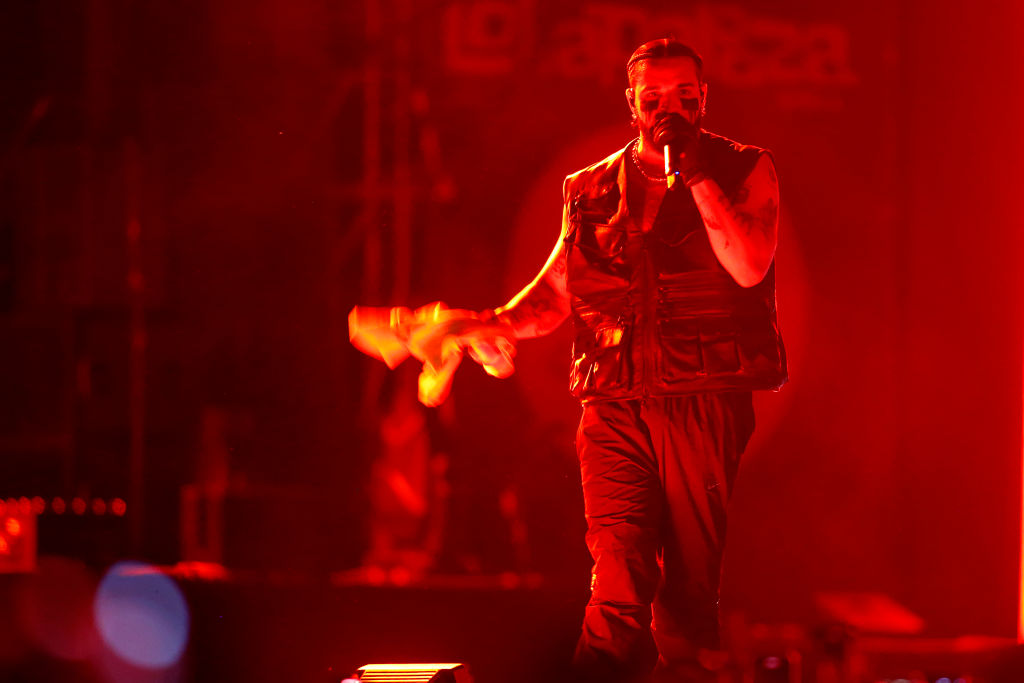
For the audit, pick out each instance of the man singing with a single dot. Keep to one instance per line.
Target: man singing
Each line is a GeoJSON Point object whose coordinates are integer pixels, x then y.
{"type": "Point", "coordinates": [666, 265]}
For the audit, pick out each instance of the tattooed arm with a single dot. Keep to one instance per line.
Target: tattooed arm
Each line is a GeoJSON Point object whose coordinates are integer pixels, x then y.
{"type": "Point", "coordinates": [544, 303]}
{"type": "Point", "coordinates": [743, 229]}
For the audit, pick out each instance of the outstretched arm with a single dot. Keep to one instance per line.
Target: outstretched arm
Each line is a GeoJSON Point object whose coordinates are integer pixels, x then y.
{"type": "Point", "coordinates": [438, 336]}
{"type": "Point", "coordinates": [743, 229]}
{"type": "Point", "coordinates": [544, 303]}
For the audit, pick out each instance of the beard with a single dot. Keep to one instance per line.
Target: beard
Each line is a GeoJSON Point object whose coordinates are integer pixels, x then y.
{"type": "Point", "coordinates": [691, 112]}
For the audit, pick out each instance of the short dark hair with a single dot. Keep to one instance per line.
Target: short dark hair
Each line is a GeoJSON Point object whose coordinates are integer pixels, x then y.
{"type": "Point", "coordinates": [661, 48]}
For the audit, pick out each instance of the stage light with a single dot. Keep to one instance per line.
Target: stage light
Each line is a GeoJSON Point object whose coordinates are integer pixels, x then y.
{"type": "Point", "coordinates": [413, 673]}
{"type": "Point", "coordinates": [78, 506]}
{"type": "Point", "coordinates": [17, 541]}
{"type": "Point", "coordinates": [99, 507]}
{"type": "Point", "coordinates": [400, 576]}
{"type": "Point", "coordinates": [777, 668]}
{"type": "Point", "coordinates": [38, 505]}
{"type": "Point", "coordinates": [142, 615]}
{"type": "Point", "coordinates": [118, 507]}
{"type": "Point", "coordinates": [58, 505]}
{"type": "Point", "coordinates": [376, 576]}
{"type": "Point", "coordinates": [509, 580]}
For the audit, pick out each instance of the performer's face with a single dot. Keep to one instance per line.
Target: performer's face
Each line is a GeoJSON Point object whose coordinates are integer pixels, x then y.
{"type": "Point", "coordinates": [666, 85]}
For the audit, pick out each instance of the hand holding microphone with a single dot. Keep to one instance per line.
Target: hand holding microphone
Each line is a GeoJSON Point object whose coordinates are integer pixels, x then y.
{"type": "Point", "coordinates": [679, 140]}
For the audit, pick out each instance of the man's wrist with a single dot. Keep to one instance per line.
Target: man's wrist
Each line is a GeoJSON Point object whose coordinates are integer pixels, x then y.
{"type": "Point", "coordinates": [695, 177]}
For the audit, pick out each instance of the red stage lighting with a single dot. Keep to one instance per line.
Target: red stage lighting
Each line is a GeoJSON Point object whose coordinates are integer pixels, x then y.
{"type": "Point", "coordinates": [413, 673]}
{"type": "Point", "coordinates": [17, 542]}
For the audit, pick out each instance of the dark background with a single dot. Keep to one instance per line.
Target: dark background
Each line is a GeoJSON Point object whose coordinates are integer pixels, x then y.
{"type": "Point", "coordinates": [287, 161]}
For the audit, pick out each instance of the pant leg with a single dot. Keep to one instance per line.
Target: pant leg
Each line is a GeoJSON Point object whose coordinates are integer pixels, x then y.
{"type": "Point", "coordinates": [698, 441]}
{"type": "Point", "coordinates": [624, 507]}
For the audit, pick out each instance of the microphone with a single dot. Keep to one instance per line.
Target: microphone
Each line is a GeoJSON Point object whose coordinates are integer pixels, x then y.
{"type": "Point", "coordinates": [666, 132]}
{"type": "Point", "coordinates": [671, 165]}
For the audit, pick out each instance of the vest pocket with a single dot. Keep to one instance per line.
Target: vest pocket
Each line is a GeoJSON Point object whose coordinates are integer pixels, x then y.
{"type": "Point", "coordinates": [601, 360]}
{"type": "Point", "coordinates": [759, 350]}
{"type": "Point", "coordinates": [692, 349]}
{"type": "Point", "coordinates": [601, 243]}
{"type": "Point", "coordinates": [610, 239]}
{"type": "Point", "coordinates": [679, 351]}
{"type": "Point", "coordinates": [719, 352]}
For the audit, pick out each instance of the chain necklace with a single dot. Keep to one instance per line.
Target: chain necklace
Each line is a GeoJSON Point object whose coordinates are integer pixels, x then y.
{"type": "Point", "coordinates": [636, 162]}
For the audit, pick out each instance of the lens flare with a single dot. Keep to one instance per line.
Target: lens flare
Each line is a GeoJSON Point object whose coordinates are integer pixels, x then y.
{"type": "Point", "coordinates": [142, 616]}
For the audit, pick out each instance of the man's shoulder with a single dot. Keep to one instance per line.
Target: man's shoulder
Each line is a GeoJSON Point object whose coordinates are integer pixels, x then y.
{"type": "Point", "coordinates": [727, 160]}
{"type": "Point", "coordinates": [601, 173]}
{"type": "Point", "coordinates": [714, 142]}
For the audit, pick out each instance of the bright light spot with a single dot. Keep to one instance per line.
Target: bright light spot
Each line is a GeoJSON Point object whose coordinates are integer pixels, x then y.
{"type": "Point", "coordinates": [99, 507]}
{"type": "Point", "coordinates": [142, 615]}
{"type": "Point", "coordinates": [772, 663]}
{"type": "Point", "coordinates": [12, 526]}
{"type": "Point", "coordinates": [5, 548]}
{"type": "Point", "coordinates": [38, 505]}
{"type": "Point", "coordinates": [118, 507]}
{"type": "Point", "coordinates": [400, 576]}
{"type": "Point", "coordinates": [58, 505]}
{"type": "Point", "coordinates": [376, 575]}
{"type": "Point", "coordinates": [78, 505]}
{"type": "Point", "coordinates": [942, 680]}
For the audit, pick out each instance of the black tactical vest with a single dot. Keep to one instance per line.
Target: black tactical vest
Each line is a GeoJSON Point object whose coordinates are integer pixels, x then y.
{"type": "Point", "coordinates": [656, 314]}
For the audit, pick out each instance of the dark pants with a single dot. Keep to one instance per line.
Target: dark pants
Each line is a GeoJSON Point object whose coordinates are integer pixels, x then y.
{"type": "Point", "coordinates": [657, 475]}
